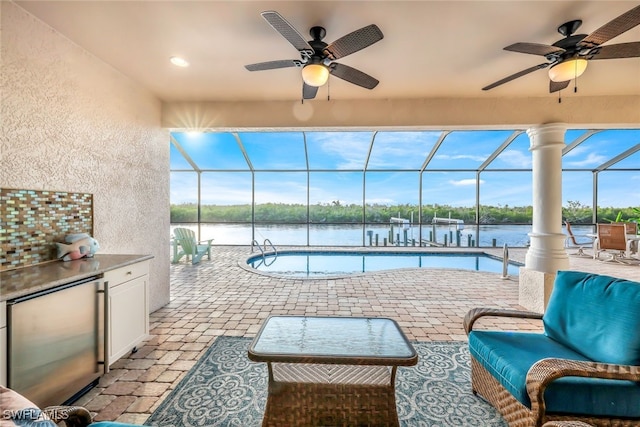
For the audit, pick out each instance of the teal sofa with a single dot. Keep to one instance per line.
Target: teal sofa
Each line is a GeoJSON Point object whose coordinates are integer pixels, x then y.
{"type": "Point", "coordinates": [111, 424]}
{"type": "Point", "coordinates": [585, 365]}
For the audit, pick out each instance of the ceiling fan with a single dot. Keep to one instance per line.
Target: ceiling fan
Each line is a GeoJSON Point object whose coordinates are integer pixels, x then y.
{"type": "Point", "coordinates": [568, 56]}
{"type": "Point", "coordinates": [317, 57]}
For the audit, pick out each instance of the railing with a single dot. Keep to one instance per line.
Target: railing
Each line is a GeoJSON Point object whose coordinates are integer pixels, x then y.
{"type": "Point", "coordinates": [263, 249]}
{"type": "Point", "coordinates": [505, 261]}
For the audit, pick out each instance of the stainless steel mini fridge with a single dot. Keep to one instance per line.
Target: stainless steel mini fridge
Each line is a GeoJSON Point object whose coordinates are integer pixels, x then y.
{"type": "Point", "coordinates": [56, 341]}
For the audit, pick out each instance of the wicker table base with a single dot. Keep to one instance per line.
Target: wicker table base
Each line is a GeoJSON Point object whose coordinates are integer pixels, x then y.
{"type": "Point", "coordinates": [330, 395]}
{"type": "Point", "coordinates": [331, 371]}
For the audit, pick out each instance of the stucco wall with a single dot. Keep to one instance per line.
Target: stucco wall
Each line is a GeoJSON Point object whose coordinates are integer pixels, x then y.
{"type": "Point", "coordinates": [69, 122]}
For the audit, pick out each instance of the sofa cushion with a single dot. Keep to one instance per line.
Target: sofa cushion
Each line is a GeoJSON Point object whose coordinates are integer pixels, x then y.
{"type": "Point", "coordinates": [595, 315]}
{"type": "Point", "coordinates": [508, 356]}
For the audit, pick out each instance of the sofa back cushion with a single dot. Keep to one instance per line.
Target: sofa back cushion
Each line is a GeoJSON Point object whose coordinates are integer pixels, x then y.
{"type": "Point", "coordinates": [597, 316]}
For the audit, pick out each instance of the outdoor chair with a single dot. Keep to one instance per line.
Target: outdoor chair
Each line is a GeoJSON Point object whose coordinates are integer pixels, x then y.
{"type": "Point", "coordinates": [577, 241]}
{"type": "Point", "coordinates": [631, 229]}
{"type": "Point", "coordinates": [585, 366]}
{"type": "Point", "coordinates": [185, 244]}
{"type": "Point", "coordinates": [612, 239]}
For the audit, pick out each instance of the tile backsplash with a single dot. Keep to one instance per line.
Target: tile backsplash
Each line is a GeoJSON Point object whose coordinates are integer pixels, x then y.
{"type": "Point", "coordinates": [31, 221]}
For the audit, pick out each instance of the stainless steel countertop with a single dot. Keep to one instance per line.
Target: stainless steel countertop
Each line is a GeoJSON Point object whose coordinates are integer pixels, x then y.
{"type": "Point", "coordinates": [25, 281]}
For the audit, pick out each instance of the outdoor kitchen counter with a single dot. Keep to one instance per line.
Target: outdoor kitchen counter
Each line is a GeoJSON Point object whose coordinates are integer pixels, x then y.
{"type": "Point", "coordinates": [27, 280]}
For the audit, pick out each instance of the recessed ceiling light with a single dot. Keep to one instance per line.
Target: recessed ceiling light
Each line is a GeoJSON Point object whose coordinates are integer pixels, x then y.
{"type": "Point", "coordinates": [176, 60]}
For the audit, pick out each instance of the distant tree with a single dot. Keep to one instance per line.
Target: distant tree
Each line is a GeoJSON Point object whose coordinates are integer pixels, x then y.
{"type": "Point", "coordinates": [576, 212]}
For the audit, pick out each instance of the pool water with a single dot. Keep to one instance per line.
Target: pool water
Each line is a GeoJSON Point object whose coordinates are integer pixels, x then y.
{"type": "Point", "coordinates": [319, 264]}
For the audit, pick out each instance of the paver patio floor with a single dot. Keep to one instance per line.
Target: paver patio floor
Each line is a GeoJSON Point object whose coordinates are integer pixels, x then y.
{"type": "Point", "coordinates": [218, 297]}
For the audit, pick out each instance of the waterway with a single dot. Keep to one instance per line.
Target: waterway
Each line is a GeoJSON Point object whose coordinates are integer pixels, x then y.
{"type": "Point", "coordinates": [354, 235]}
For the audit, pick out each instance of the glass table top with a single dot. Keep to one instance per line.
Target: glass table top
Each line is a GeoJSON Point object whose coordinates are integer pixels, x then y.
{"type": "Point", "coordinates": [324, 339]}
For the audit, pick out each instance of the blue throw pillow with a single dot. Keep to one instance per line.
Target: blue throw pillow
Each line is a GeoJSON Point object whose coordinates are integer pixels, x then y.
{"type": "Point", "coordinates": [596, 315]}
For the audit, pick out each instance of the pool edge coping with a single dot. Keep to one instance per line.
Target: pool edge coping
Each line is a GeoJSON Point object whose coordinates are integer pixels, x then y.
{"type": "Point", "coordinates": [242, 263]}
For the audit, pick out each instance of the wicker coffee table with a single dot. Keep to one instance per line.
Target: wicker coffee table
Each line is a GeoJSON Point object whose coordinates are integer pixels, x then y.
{"type": "Point", "coordinates": [331, 370]}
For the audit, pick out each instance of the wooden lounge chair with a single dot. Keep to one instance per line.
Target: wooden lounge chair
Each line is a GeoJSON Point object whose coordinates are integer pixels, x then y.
{"type": "Point", "coordinates": [577, 241]}
{"type": "Point", "coordinates": [185, 244]}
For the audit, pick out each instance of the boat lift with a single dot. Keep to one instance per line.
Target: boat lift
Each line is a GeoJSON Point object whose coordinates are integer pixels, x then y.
{"type": "Point", "coordinates": [450, 221]}
{"type": "Point", "coordinates": [404, 224]}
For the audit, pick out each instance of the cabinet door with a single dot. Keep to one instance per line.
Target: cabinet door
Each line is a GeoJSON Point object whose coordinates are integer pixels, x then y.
{"type": "Point", "coordinates": [128, 316]}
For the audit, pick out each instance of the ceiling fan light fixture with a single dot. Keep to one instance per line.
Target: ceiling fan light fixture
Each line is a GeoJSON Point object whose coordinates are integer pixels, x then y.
{"type": "Point", "coordinates": [179, 62]}
{"type": "Point", "coordinates": [568, 70]}
{"type": "Point", "coordinates": [315, 74]}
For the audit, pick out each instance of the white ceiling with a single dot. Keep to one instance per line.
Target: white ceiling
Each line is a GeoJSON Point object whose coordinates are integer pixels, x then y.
{"type": "Point", "coordinates": [431, 49]}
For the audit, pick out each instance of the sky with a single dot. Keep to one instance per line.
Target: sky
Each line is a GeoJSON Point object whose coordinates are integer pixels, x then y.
{"type": "Point", "coordinates": [336, 161]}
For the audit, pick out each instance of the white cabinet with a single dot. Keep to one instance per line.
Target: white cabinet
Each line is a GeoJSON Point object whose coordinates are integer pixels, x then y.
{"type": "Point", "coordinates": [127, 309]}
{"type": "Point", "coordinates": [3, 343]}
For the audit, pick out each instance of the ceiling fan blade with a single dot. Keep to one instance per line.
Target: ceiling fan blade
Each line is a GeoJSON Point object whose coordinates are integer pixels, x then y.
{"type": "Point", "coordinates": [352, 75]}
{"type": "Point", "coordinates": [309, 92]}
{"type": "Point", "coordinates": [613, 51]}
{"type": "Point", "coordinates": [516, 75]}
{"type": "Point", "coordinates": [556, 86]}
{"type": "Point", "coordinates": [287, 31]}
{"type": "Point", "coordinates": [534, 48]}
{"type": "Point", "coordinates": [353, 42]}
{"type": "Point", "coordinates": [613, 28]}
{"type": "Point", "coordinates": [272, 65]}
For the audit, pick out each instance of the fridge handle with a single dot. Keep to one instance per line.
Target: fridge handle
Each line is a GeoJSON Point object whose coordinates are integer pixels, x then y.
{"type": "Point", "coordinates": [105, 327]}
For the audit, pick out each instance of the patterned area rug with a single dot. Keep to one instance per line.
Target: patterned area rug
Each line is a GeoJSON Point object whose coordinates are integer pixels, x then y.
{"type": "Point", "coordinates": [225, 388]}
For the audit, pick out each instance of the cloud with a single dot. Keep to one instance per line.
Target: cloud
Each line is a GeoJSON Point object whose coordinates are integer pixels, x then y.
{"type": "Point", "coordinates": [350, 148]}
{"type": "Point", "coordinates": [401, 149]}
{"type": "Point", "coordinates": [577, 151]}
{"type": "Point", "coordinates": [226, 196]}
{"type": "Point", "coordinates": [593, 159]}
{"type": "Point", "coordinates": [465, 182]}
{"type": "Point", "coordinates": [515, 159]}
{"type": "Point", "coordinates": [474, 157]}
{"type": "Point", "coordinates": [516, 195]}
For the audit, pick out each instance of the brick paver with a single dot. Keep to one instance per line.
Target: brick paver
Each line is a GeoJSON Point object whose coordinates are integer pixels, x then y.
{"type": "Point", "coordinates": [218, 297]}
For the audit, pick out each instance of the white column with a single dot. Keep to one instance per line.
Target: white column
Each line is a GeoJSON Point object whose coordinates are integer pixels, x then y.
{"type": "Point", "coordinates": [547, 253]}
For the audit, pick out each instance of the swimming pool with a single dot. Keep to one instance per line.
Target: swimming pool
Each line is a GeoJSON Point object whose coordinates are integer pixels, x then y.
{"type": "Point", "coordinates": [315, 264]}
